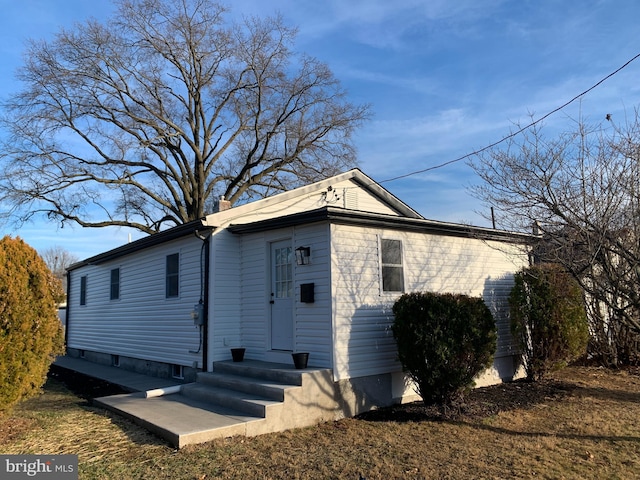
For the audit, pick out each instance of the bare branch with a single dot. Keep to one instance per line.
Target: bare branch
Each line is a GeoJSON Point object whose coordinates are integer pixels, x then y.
{"type": "Point", "coordinates": [582, 191]}
{"type": "Point", "coordinates": [140, 121]}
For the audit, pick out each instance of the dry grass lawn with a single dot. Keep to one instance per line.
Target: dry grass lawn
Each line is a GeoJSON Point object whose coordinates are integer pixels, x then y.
{"type": "Point", "coordinates": [583, 424]}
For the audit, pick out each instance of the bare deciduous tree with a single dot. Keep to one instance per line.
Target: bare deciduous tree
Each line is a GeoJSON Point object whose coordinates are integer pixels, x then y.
{"type": "Point", "coordinates": [142, 120]}
{"type": "Point", "coordinates": [57, 260]}
{"type": "Point", "coordinates": [581, 190]}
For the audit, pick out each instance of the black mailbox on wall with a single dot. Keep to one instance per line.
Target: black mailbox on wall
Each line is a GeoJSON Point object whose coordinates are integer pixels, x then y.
{"type": "Point", "coordinates": [307, 292]}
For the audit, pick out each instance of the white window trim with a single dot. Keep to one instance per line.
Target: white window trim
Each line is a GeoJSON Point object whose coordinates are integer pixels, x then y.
{"type": "Point", "coordinates": [384, 292]}
{"type": "Point", "coordinates": [177, 371]}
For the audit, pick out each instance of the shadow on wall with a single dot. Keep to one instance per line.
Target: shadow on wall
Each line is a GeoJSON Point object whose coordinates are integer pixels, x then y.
{"type": "Point", "coordinates": [365, 351]}
{"type": "Point", "coordinates": [365, 342]}
{"type": "Point", "coordinates": [496, 296]}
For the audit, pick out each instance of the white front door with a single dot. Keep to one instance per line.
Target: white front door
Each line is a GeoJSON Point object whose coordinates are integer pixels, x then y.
{"type": "Point", "coordinates": [282, 296]}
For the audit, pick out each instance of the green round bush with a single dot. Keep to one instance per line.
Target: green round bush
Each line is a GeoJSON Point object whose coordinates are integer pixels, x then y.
{"type": "Point", "coordinates": [30, 331]}
{"type": "Point", "coordinates": [444, 341]}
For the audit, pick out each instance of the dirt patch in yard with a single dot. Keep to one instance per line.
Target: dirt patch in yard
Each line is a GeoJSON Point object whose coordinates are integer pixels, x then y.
{"type": "Point", "coordinates": [481, 403]}
{"type": "Point", "coordinates": [11, 428]}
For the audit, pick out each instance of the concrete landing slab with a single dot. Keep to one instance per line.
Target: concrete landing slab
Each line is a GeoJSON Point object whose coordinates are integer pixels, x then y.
{"type": "Point", "coordinates": [128, 381]}
{"type": "Point", "coordinates": [179, 419]}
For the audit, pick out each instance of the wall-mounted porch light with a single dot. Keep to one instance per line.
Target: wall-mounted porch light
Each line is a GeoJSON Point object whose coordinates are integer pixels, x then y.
{"type": "Point", "coordinates": [303, 255]}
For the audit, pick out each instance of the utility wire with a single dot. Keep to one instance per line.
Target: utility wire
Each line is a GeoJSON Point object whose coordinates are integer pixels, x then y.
{"type": "Point", "coordinates": [511, 135]}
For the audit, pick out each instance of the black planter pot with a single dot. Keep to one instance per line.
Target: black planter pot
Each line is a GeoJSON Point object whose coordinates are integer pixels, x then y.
{"type": "Point", "coordinates": [300, 360]}
{"type": "Point", "coordinates": [237, 354]}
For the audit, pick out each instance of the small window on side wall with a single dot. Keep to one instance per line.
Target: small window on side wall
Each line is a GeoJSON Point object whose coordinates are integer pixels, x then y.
{"type": "Point", "coordinates": [83, 290]}
{"type": "Point", "coordinates": [177, 371]}
{"type": "Point", "coordinates": [115, 284]}
{"type": "Point", "coordinates": [392, 266]}
{"type": "Point", "coordinates": [172, 275]}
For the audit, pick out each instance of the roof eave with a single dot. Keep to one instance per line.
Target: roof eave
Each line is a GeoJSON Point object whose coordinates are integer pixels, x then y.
{"type": "Point", "coordinates": [352, 217]}
{"type": "Point", "coordinates": [384, 195]}
{"type": "Point", "coordinates": [159, 238]}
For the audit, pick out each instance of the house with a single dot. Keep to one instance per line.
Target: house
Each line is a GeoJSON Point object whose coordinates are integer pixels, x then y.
{"type": "Point", "coordinates": [315, 269]}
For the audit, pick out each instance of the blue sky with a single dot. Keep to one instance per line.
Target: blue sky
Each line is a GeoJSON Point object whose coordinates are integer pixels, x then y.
{"type": "Point", "coordinates": [444, 78]}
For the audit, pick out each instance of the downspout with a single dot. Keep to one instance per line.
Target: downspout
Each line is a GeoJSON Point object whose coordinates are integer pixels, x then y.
{"type": "Point", "coordinates": [205, 327]}
{"type": "Point", "coordinates": [206, 239]}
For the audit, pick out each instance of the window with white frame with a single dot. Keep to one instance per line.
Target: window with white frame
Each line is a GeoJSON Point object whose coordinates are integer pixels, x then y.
{"type": "Point", "coordinates": [177, 371]}
{"type": "Point", "coordinates": [392, 266]}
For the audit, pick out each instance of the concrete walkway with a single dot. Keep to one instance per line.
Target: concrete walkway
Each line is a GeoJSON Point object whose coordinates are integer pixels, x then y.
{"type": "Point", "coordinates": [178, 419]}
{"type": "Point", "coordinates": [129, 381]}
{"type": "Point", "coordinates": [245, 398]}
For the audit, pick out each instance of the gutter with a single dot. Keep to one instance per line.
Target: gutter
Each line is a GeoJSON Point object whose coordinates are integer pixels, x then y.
{"type": "Point", "coordinates": [205, 300]}
{"type": "Point", "coordinates": [369, 219]}
{"type": "Point", "coordinates": [143, 243]}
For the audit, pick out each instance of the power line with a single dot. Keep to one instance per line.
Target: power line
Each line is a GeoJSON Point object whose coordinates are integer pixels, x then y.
{"type": "Point", "coordinates": [511, 135]}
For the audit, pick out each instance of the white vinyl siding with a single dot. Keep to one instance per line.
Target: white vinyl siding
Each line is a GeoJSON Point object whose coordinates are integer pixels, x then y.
{"type": "Point", "coordinates": [143, 324]}
{"type": "Point", "coordinates": [364, 344]}
{"type": "Point", "coordinates": [312, 320]}
{"type": "Point", "coordinates": [224, 296]}
{"type": "Point", "coordinates": [254, 278]}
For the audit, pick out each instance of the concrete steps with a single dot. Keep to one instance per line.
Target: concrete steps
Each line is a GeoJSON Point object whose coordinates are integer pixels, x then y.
{"type": "Point", "coordinates": [266, 371]}
{"type": "Point", "coordinates": [245, 398]}
{"type": "Point", "coordinates": [248, 403]}
{"type": "Point", "coordinates": [264, 388]}
{"type": "Point", "coordinates": [179, 419]}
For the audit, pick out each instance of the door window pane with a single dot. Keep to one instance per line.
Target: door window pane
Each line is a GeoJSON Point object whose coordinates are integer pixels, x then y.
{"type": "Point", "coordinates": [283, 272]}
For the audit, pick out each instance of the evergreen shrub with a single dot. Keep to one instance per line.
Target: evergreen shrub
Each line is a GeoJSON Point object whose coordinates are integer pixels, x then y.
{"type": "Point", "coordinates": [444, 341]}
{"type": "Point", "coordinates": [548, 318]}
{"type": "Point", "coordinates": [30, 331]}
